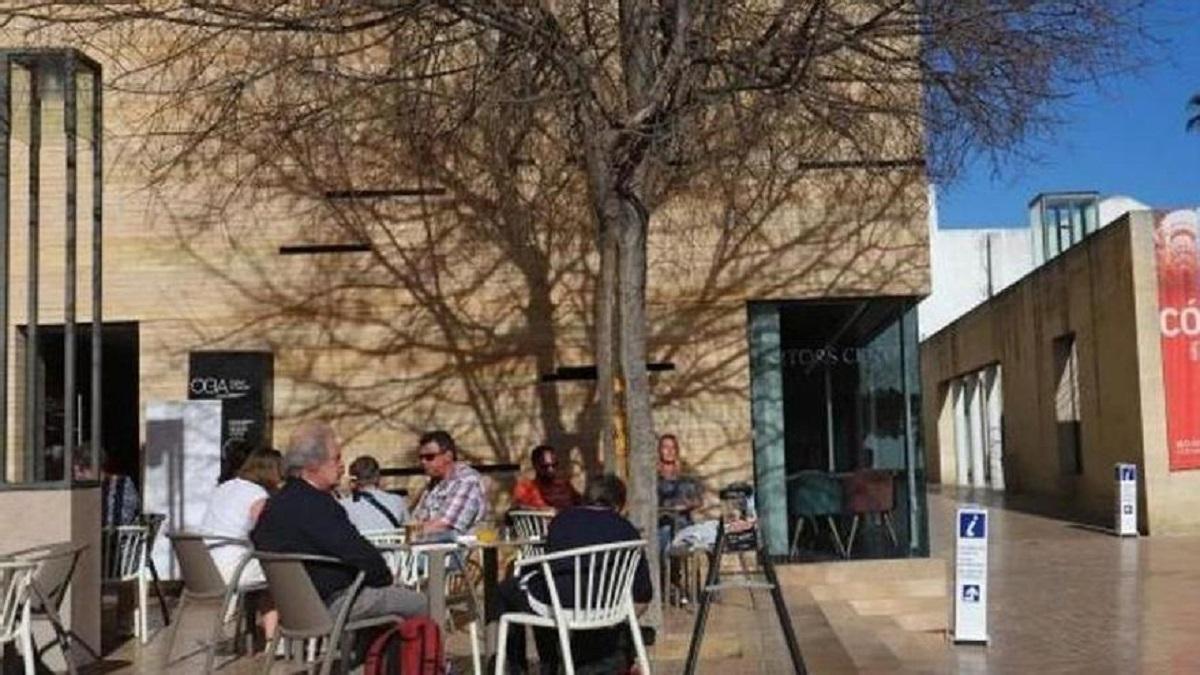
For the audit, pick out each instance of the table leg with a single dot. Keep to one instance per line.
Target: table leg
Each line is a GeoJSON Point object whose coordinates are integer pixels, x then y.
{"type": "Point", "coordinates": [437, 587]}
{"type": "Point", "coordinates": [491, 596]}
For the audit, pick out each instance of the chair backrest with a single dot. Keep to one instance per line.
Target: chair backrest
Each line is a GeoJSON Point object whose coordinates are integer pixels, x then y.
{"type": "Point", "coordinates": [408, 568]}
{"type": "Point", "coordinates": [814, 493]}
{"type": "Point", "coordinates": [302, 613]}
{"type": "Point", "coordinates": [869, 491]}
{"type": "Point", "coordinates": [123, 551]}
{"type": "Point", "coordinates": [201, 578]}
{"type": "Point", "coordinates": [15, 577]}
{"type": "Point", "coordinates": [54, 566]}
{"type": "Point", "coordinates": [601, 581]}
{"type": "Point", "coordinates": [531, 525]}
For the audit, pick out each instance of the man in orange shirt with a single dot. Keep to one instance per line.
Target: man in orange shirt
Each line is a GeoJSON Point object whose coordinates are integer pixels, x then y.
{"type": "Point", "coordinates": [545, 490]}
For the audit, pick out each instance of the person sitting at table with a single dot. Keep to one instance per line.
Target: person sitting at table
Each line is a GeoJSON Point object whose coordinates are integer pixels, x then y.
{"type": "Point", "coordinates": [454, 502]}
{"type": "Point", "coordinates": [546, 490]}
{"type": "Point", "coordinates": [233, 509]}
{"type": "Point", "coordinates": [597, 521]}
{"type": "Point", "coordinates": [678, 494]}
{"type": "Point", "coordinates": [369, 507]}
{"type": "Point", "coordinates": [304, 517]}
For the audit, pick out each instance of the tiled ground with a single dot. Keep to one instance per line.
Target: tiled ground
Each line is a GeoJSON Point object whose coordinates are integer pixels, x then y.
{"type": "Point", "coordinates": [1064, 599]}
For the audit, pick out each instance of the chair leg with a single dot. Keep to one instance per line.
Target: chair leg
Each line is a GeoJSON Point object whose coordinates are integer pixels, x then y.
{"type": "Point", "coordinates": [887, 521]}
{"type": "Point", "coordinates": [269, 654]}
{"type": "Point", "coordinates": [853, 532]}
{"type": "Point", "coordinates": [502, 645]}
{"type": "Point", "coordinates": [143, 590]}
{"type": "Point", "coordinates": [796, 537]}
{"type": "Point", "coordinates": [26, 638]}
{"type": "Point", "coordinates": [837, 538]}
{"type": "Point", "coordinates": [564, 646]}
{"type": "Point", "coordinates": [214, 639]}
{"type": "Point", "coordinates": [173, 631]}
{"type": "Point", "coordinates": [476, 657]}
{"type": "Point", "coordinates": [639, 645]}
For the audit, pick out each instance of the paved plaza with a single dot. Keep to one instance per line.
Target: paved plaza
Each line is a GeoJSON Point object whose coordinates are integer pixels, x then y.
{"type": "Point", "coordinates": [1065, 598]}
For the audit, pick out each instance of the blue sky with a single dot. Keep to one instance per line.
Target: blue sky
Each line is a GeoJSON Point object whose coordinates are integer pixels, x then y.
{"type": "Point", "coordinates": [1125, 136]}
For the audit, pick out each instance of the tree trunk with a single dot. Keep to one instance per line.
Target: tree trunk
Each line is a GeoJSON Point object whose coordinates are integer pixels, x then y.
{"type": "Point", "coordinates": [605, 308]}
{"type": "Point", "coordinates": [631, 338]}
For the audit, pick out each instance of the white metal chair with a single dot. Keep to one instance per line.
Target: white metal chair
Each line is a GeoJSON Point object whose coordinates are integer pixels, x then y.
{"type": "Point", "coordinates": [125, 552]}
{"type": "Point", "coordinates": [408, 568]}
{"type": "Point", "coordinates": [15, 611]}
{"type": "Point", "coordinates": [54, 568]}
{"type": "Point", "coordinates": [603, 597]}
{"type": "Point", "coordinates": [531, 525]}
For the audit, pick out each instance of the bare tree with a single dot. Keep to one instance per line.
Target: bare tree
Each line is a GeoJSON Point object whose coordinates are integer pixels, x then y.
{"type": "Point", "coordinates": [622, 108]}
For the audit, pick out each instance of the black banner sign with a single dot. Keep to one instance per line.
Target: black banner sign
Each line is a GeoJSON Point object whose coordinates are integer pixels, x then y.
{"type": "Point", "coordinates": [244, 383]}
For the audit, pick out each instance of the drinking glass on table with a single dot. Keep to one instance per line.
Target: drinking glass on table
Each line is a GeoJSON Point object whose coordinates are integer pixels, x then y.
{"type": "Point", "coordinates": [486, 532]}
{"type": "Point", "coordinates": [412, 531]}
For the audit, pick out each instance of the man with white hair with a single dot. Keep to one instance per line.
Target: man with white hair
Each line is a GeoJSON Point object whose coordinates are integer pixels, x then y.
{"type": "Point", "coordinates": [305, 517]}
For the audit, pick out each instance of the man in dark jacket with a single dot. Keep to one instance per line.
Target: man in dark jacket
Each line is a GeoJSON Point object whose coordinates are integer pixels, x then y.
{"type": "Point", "coordinates": [598, 521]}
{"type": "Point", "coordinates": [304, 517]}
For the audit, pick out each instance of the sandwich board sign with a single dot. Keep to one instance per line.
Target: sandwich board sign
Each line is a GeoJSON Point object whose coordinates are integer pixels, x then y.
{"type": "Point", "coordinates": [1126, 506]}
{"type": "Point", "coordinates": [970, 575]}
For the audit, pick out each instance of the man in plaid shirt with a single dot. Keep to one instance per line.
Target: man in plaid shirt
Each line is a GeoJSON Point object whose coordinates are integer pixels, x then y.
{"type": "Point", "coordinates": [454, 503]}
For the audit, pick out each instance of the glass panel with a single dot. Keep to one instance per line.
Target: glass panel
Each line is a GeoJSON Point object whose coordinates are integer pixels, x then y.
{"type": "Point", "coordinates": [851, 398]}
{"type": "Point", "coordinates": [767, 420]}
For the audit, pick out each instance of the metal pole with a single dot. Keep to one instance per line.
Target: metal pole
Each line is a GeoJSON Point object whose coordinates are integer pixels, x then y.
{"type": "Point", "coordinates": [910, 444]}
{"type": "Point", "coordinates": [829, 418]}
{"type": "Point", "coordinates": [97, 277]}
{"type": "Point", "coordinates": [5, 158]}
{"type": "Point", "coordinates": [33, 468]}
{"type": "Point", "coordinates": [69, 130]}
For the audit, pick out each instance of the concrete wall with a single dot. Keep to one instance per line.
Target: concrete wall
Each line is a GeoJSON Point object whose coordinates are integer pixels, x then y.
{"type": "Point", "coordinates": [968, 265]}
{"type": "Point", "coordinates": [1088, 291]}
{"type": "Point", "coordinates": [37, 517]}
{"type": "Point", "coordinates": [1173, 498]}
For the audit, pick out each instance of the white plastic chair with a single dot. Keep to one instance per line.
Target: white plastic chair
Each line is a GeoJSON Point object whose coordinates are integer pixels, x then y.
{"type": "Point", "coordinates": [125, 556]}
{"type": "Point", "coordinates": [15, 610]}
{"type": "Point", "coordinates": [408, 568]}
{"type": "Point", "coordinates": [603, 597]}
{"type": "Point", "coordinates": [531, 525]}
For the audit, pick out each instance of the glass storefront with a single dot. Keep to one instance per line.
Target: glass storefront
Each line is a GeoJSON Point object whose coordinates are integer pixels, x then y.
{"type": "Point", "coordinates": [835, 406]}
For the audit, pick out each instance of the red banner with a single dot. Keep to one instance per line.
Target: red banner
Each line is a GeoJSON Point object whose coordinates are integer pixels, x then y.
{"type": "Point", "coordinates": [1178, 258]}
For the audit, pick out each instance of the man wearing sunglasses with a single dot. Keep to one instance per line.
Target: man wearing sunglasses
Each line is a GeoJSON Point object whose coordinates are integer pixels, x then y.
{"type": "Point", "coordinates": [454, 502]}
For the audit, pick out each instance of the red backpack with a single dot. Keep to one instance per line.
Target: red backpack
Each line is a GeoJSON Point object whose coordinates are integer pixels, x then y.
{"type": "Point", "coordinates": [411, 647]}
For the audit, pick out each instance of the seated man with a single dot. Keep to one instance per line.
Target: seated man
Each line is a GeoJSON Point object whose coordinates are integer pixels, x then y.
{"type": "Point", "coordinates": [678, 494]}
{"type": "Point", "coordinates": [304, 517]}
{"type": "Point", "coordinates": [598, 521]}
{"type": "Point", "coordinates": [454, 502]}
{"type": "Point", "coordinates": [545, 490]}
{"type": "Point", "coordinates": [369, 507]}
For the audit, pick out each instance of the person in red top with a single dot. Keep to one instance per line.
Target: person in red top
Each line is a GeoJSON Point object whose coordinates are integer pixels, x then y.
{"type": "Point", "coordinates": [546, 490]}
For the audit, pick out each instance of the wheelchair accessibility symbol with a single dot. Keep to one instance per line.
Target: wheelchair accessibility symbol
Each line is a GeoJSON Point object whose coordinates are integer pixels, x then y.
{"type": "Point", "coordinates": [970, 593]}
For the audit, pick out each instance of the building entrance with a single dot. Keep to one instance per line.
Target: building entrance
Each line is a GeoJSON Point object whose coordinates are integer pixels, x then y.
{"type": "Point", "coordinates": [119, 410]}
{"type": "Point", "coordinates": [837, 450]}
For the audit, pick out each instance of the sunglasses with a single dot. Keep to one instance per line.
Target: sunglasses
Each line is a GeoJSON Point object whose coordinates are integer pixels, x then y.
{"type": "Point", "coordinates": [429, 457]}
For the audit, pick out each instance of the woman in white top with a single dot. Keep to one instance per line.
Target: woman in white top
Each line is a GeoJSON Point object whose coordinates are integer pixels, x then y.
{"type": "Point", "coordinates": [233, 509]}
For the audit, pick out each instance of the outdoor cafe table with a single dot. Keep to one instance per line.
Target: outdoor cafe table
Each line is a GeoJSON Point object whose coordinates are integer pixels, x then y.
{"type": "Point", "coordinates": [436, 588]}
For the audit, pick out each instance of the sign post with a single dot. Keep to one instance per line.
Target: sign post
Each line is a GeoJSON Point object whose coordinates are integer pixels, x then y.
{"type": "Point", "coordinates": [1126, 507]}
{"type": "Point", "coordinates": [970, 576]}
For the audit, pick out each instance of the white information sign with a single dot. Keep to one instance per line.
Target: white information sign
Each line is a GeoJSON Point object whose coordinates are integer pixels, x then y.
{"type": "Point", "coordinates": [183, 461]}
{"type": "Point", "coordinates": [1126, 507]}
{"type": "Point", "coordinates": [970, 576]}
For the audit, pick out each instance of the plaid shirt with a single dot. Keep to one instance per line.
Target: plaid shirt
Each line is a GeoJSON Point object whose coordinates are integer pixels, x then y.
{"type": "Point", "coordinates": [457, 499]}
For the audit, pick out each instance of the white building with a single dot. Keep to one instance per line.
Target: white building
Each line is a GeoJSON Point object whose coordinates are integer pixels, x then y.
{"type": "Point", "coordinates": [970, 265]}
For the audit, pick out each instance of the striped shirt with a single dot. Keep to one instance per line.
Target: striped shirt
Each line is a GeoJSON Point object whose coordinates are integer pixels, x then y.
{"type": "Point", "coordinates": [456, 499]}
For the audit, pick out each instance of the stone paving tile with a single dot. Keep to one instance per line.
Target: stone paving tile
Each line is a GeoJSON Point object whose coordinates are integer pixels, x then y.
{"type": "Point", "coordinates": [1063, 599]}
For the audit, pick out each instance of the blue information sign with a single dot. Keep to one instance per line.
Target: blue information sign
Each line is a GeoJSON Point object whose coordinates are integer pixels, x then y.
{"type": "Point", "coordinates": [972, 525]}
